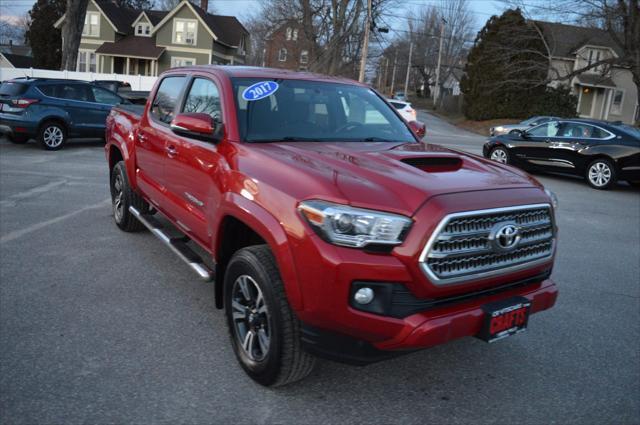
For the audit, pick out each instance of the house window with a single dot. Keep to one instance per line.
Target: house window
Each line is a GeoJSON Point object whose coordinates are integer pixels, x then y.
{"type": "Point", "coordinates": [288, 33]}
{"type": "Point", "coordinates": [91, 24]}
{"type": "Point", "coordinates": [616, 102]}
{"type": "Point", "coordinates": [143, 29]}
{"type": "Point", "coordinates": [86, 61]}
{"type": "Point", "coordinates": [304, 57]}
{"type": "Point", "coordinates": [295, 35]}
{"type": "Point", "coordinates": [185, 31]}
{"type": "Point", "coordinates": [175, 62]}
{"type": "Point", "coordinates": [282, 57]}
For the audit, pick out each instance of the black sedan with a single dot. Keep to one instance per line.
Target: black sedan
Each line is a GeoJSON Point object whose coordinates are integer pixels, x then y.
{"type": "Point", "coordinates": [601, 152]}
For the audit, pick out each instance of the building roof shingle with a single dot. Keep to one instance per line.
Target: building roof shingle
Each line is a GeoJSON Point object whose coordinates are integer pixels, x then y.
{"type": "Point", "coordinates": [19, 61]}
{"type": "Point", "coordinates": [564, 40]}
{"type": "Point", "coordinates": [134, 46]}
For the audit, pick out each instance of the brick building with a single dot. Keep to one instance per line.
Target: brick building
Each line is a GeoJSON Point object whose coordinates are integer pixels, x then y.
{"type": "Point", "coordinates": [287, 47]}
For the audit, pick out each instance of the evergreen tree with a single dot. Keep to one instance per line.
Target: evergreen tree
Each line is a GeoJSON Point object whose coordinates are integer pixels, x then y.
{"type": "Point", "coordinates": [506, 69]}
{"type": "Point", "coordinates": [44, 39]}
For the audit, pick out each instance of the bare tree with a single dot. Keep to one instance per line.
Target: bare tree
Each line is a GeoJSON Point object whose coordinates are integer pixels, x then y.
{"type": "Point", "coordinates": [334, 29]}
{"type": "Point", "coordinates": [72, 32]}
{"type": "Point", "coordinates": [620, 19]}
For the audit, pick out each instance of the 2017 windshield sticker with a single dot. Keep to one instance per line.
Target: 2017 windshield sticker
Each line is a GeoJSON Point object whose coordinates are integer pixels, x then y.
{"type": "Point", "coordinates": [259, 90]}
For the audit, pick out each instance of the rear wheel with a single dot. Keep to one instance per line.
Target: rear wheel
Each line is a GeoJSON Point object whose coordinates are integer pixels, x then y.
{"type": "Point", "coordinates": [123, 197]}
{"type": "Point", "coordinates": [265, 332]}
{"type": "Point", "coordinates": [499, 154]}
{"type": "Point", "coordinates": [601, 174]}
{"type": "Point", "coordinates": [52, 135]}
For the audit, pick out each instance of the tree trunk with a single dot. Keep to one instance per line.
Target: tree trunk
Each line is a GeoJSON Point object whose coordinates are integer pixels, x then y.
{"type": "Point", "coordinates": [72, 32]}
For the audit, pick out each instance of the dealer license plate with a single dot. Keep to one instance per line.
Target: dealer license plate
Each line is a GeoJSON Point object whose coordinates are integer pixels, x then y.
{"type": "Point", "coordinates": [504, 318]}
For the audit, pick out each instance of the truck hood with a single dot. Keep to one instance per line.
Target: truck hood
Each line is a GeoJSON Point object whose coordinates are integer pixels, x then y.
{"type": "Point", "coordinates": [384, 176]}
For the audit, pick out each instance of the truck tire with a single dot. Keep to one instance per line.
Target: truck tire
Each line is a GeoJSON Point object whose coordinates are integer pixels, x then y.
{"type": "Point", "coordinates": [52, 135]}
{"type": "Point", "coordinates": [122, 197]}
{"type": "Point", "coordinates": [265, 332]}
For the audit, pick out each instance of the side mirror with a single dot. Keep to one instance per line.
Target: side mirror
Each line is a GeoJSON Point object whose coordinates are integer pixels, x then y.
{"type": "Point", "coordinates": [419, 128]}
{"type": "Point", "coordinates": [195, 125]}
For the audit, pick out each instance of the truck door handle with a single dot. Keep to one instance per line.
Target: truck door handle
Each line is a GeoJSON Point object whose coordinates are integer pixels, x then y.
{"type": "Point", "coordinates": [142, 137]}
{"type": "Point", "coordinates": [171, 150]}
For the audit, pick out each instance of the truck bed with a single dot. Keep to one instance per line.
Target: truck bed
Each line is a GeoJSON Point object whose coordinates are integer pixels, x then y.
{"type": "Point", "coordinates": [133, 110]}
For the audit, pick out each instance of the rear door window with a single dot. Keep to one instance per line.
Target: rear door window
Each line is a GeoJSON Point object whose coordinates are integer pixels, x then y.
{"type": "Point", "coordinates": [164, 103]}
{"type": "Point", "coordinates": [11, 88]}
{"type": "Point", "coordinates": [79, 92]}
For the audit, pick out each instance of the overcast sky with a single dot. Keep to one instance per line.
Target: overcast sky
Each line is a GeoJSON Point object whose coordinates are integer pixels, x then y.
{"type": "Point", "coordinates": [482, 9]}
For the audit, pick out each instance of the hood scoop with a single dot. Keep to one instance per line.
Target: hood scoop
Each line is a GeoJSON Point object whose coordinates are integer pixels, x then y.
{"type": "Point", "coordinates": [435, 164]}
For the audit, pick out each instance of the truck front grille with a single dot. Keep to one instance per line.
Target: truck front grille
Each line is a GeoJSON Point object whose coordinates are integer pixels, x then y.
{"type": "Point", "coordinates": [478, 244]}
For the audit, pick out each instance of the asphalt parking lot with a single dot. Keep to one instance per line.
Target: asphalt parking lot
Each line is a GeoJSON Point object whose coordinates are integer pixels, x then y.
{"type": "Point", "coordinates": [100, 326]}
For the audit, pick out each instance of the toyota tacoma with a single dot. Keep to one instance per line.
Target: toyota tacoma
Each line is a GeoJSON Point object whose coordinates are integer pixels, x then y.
{"type": "Point", "coordinates": [328, 227]}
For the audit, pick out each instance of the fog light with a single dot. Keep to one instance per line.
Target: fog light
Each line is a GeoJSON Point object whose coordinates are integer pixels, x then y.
{"type": "Point", "coordinates": [364, 295]}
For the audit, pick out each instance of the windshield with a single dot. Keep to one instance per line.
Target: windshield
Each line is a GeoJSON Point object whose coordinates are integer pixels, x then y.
{"type": "Point", "coordinates": [299, 110]}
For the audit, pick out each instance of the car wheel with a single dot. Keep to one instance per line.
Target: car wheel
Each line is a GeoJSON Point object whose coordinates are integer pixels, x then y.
{"type": "Point", "coordinates": [601, 174]}
{"type": "Point", "coordinates": [499, 154]}
{"type": "Point", "coordinates": [18, 139]}
{"type": "Point", "coordinates": [265, 332]}
{"type": "Point", "coordinates": [122, 197]}
{"type": "Point", "coordinates": [52, 135]}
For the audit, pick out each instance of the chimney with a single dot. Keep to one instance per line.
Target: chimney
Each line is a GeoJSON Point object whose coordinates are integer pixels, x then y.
{"type": "Point", "coordinates": [204, 4]}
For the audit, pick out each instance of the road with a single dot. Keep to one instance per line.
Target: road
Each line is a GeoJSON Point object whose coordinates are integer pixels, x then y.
{"type": "Point", "coordinates": [100, 326]}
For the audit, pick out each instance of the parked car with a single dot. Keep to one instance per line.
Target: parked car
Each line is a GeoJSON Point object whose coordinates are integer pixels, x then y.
{"type": "Point", "coordinates": [123, 89]}
{"type": "Point", "coordinates": [601, 152]}
{"type": "Point", "coordinates": [399, 95]}
{"type": "Point", "coordinates": [528, 123]}
{"type": "Point", "coordinates": [404, 108]}
{"type": "Point", "coordinates": [334, 232]}
{"type": "Point", "coordinates": [52, 111]}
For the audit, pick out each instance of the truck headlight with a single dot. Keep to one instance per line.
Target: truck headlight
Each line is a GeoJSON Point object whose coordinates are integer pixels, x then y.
{"type": "Point", "coordinates": [554, 198]}
{"type": "Point", "coordinates": [354, 227]}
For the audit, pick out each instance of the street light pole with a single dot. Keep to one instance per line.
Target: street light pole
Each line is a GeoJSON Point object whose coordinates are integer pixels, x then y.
{"type": "Point", "coordinates": [436, 91]}
{"type": "Point", "coordinates": [365, 43]}
{"type": "Point", "coordinates": [406, 81]}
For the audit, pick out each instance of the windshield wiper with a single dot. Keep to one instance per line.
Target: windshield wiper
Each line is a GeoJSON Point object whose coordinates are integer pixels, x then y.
{"type": "Point", "coordinates": [380, 139]}
{"type": "Point", "coordinates": [285, 139]}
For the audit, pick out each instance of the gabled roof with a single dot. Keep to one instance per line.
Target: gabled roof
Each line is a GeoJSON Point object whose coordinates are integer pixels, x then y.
{"type": "Point", "coordinates": [132, 46]}
{"type": "Point", "coordinates": [565, 40]}
{"type": "Point", "coordinates": [19, 61]}
{"type": "Point", "coordinates": [224, 29]}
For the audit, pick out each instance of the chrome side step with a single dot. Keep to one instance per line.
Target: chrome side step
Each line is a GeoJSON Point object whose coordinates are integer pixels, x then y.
{"type": "Point", "coordinates": [177, 245]}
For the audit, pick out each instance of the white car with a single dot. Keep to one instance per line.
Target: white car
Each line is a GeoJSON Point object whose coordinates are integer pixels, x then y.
{"type": "Point", "coordinates": [406, 111]}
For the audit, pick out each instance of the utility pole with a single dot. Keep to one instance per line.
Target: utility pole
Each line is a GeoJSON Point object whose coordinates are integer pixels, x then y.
{"type": "Point", "coordinates": [406, 81]}
{"type": "Point", "coordinates": [393, 74]}
{"type": "Point", "coordinates": [386, 73]}
{"type": "Point", "coordinates": [365, 43]}
{"type": "Point", "coordinates": [436, 91]}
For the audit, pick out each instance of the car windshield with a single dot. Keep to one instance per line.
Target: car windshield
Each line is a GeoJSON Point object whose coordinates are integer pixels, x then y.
{"type": "Point", "coordinates": [300, 110]}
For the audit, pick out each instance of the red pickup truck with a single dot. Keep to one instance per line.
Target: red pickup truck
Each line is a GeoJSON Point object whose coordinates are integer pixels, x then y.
{"type": "Point", "coordinates": [328, 227]}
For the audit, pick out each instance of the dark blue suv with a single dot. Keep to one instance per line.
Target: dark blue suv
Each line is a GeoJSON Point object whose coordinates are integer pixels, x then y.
{"type": "Point", "coordinates": [51, 111]}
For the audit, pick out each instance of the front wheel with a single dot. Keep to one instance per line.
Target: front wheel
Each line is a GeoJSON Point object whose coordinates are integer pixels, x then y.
{"type": "Point", "coordinates": [499, 154]}
{"type": "Point", "coordinates": [601, 174]}
{"type": "Point", "coordinates": [265, 332]}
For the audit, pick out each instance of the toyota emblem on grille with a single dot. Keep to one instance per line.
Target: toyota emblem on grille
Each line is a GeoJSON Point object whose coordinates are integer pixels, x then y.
{"type": "Point", "coordinates": [505, 236]}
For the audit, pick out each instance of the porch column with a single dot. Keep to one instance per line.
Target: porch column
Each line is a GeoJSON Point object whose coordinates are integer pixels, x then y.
{"type": "Point", "coordinates": [128, 70]}
{"type": "Point", "coordinates": [113, 59]}
{"type": "Point", "coordinates": [579, 99]}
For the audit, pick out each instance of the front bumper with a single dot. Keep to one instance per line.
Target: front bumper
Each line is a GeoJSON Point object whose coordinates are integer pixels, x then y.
{"type": "Point", "coordinates": [422, 330]}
